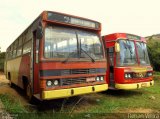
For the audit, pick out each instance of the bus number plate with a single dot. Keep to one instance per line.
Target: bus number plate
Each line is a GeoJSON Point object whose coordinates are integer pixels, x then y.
{"type": "Point", "coordinates": [91, 79]}
{"type": "Point", "coordinates": [144, 85]}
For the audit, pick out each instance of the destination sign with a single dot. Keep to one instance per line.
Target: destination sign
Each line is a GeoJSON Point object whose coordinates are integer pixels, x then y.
{"type": "Point", "coordinates": [72, 20]}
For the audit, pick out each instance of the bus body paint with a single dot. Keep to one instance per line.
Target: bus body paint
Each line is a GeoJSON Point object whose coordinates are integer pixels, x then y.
{"type": "Point", "coordinates": [120, 82]}
{"type": "Point", "coordinates": [31, 64]}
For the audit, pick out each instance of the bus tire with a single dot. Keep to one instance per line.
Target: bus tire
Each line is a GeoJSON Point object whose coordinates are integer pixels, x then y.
{"type": "Point", "coordinates": [10, 82]}
{"type": "Point", "coordinates": [29, 92]}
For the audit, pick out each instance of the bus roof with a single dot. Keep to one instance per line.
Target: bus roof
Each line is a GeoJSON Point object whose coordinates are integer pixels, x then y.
{"type": "Point", "coordinates": [116, 36]}
{"type": "Point", "coordinates": [63, 19]}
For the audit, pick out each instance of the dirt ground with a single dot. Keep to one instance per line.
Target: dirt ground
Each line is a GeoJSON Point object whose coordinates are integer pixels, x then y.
{"type": "Point", "coordinates": [5, 88]}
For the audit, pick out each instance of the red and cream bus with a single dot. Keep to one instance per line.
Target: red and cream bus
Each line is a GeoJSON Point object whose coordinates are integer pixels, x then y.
{"type": "Point", "coordinates": [128, 62]}
{"type": "Point", "coordinates": [58, 56]}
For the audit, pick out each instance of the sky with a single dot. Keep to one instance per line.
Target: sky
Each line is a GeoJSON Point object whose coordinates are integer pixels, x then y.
{"type": "Point", "coordinates": [140, 17]}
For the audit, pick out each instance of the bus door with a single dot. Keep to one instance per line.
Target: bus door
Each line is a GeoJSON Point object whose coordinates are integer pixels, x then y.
{"type": "Point", "coordinates": [36, 44]}
{"type": "Point", "coordinates": [110, 59]}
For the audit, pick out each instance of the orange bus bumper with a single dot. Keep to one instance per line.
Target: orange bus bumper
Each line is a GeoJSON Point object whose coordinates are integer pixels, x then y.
{"type": "Point", "coordinates": [134, 85]}
{"type": "Point", "coordinates": [62, 93]}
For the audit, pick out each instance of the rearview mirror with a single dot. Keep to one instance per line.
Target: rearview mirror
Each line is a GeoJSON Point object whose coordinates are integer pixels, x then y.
{"type": "Point", "coordinates": [117, 47]}
{"type": "Point", "coordinates": [39, 32]}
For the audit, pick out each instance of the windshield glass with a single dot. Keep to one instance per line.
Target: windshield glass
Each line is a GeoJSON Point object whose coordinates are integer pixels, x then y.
{"type": "Point", "coordinates": [60, 42]}
{"type": "Point", "coordinates": [127, 54]}
{"type": "Point", "coordinates": [91, 44]}
{"type": "Point", "coordinates": [142, 53]}
{"type": "Point", "coordinates": [65, 42]}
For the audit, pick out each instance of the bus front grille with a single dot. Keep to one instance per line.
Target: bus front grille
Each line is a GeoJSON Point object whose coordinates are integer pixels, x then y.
{"type": "Point", "coordinates": [78, 71]}
{"type": "Point", "coordinates": [72, 81]}
{"type": "Point", "coordinates": [83, 71]}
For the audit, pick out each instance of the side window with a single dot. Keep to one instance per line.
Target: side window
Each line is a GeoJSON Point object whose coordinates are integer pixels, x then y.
{"type": "Point", "coordinates": [19, 51]}
{"type": "Point", "coordinates": [14, 53]}
{"type": "Point", "coordinates": [11, 47]}
{"type": "Point", "coordinates": [10, 55]}
{"type": "Point", "coordinates": [16, 44]}
{"type": "Point", "coordinates": [27, 47]}
{"type": "Point", "coordinates": [20, 41]}
{"type": "Point", "coordinates": [7, 53]}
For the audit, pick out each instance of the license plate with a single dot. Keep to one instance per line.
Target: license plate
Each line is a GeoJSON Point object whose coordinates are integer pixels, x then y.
{"type": "Point", "coordinates": [91, 79]}
{"type": "Point", "coordinates": [144, 85]}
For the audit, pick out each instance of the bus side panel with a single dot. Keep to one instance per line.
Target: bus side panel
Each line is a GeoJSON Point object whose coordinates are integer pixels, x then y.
{"type": "Point", "coordinates": [24, 70]}
{"type": "Point", "coordinates": [13, 69]}
{"type": "Point", "coordinates": [5, 68]}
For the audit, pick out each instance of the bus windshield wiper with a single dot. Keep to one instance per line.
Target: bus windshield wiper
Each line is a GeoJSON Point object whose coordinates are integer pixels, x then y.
{"type": "Point", "coordinates": [81, 49]}
{"type": "Point", "coordinates": [68, 57]}
{"type": "Point", "coordinates": [92, 59]}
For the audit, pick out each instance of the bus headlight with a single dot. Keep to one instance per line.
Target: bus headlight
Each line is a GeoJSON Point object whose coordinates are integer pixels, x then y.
{"type": "Point", "coordinates": [98, 78]}
{"type": "Point", "coordinates": [49, 83]}
{"type": "Point", "coordinates": [128, 75]}
{"type": "Point", "coordinates": [101, 78]}
{"type": "Point", "coordinates": [149, 74]}
{"type": "Point", "coordinates": [55, 82]}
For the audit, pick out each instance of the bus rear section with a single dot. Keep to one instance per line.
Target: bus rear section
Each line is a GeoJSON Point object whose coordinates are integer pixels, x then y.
{"type": "Point", "coordinates": [61, 56]}
{"type": "Point", "coordinates": [128, 62]}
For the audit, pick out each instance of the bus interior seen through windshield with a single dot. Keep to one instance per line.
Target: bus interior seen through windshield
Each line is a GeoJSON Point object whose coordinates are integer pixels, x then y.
{"type": "Point", "coordinates": [73, 43]}
{"type": "Point", "coordinates": [128, 55]}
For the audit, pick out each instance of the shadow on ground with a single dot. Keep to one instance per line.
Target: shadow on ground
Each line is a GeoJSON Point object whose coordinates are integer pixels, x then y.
{"type": "Point", "coordinates": [57, 105]}
{"type": "Point", "coordinates": [123, 93]}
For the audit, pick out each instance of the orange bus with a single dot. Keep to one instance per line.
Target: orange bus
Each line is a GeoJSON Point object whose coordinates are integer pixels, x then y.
{"type": "Point", "coordinates": [128, 62]}
{"type": "Point", "coordinates": [58, 56]}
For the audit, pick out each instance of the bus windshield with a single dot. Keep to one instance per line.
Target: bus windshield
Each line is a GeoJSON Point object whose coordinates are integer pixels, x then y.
{"type": "Point", "coordinates": [66, 42]}
{"type": "Point", "coordinates": [127, 54]}
{"type": "Point", "coordinates": [142, 53]}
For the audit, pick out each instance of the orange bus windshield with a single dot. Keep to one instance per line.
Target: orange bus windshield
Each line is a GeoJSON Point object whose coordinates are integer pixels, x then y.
{"type": "Point", "coordinates": [67, 42]}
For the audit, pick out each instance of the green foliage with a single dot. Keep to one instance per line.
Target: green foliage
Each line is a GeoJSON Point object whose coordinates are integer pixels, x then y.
{"type": "Point", "coordinates": [154, 53]}
{"type": "Point", "coordinates": [2, 58]}
{"type": "Point", "coordinates": [122, 100]}
{"type": "Point", "coordinates": [11, 104]}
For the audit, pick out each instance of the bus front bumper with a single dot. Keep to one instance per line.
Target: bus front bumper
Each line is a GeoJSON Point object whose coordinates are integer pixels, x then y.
{"type": "Point", "coordinates": [134, 85]}
{"type": "Point", "coordinates": [62, 93]}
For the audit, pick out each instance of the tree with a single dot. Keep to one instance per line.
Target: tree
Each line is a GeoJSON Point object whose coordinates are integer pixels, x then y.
{"type": "Point", "coordinates": [154, 53]}
{"type": "Point", "coordinates": [2, 58]}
